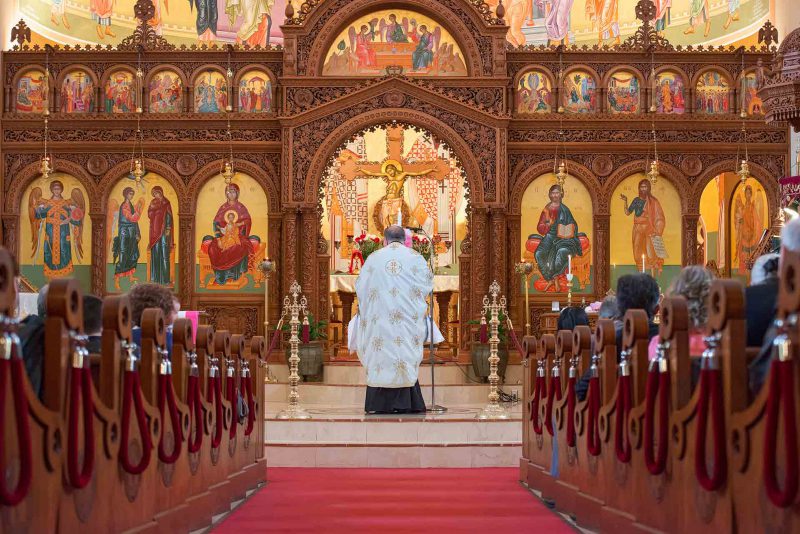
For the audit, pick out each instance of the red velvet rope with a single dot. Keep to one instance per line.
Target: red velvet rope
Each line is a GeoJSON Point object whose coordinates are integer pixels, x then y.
{"type": "Point", "coordinates": [247, 384]}
{"type": "Point", "coordinates": [276, 336]}
{"type": "Point", "coordinates": [537, 396]}
{"type": "Point", "coordinates": [554, 391]}
{"type": "Point", "coordinates": [571, 411]}
{"type": "Point", "coordinates": [658, 385]}
{"type": "Point", "coordinates": [215, 389]}
{"type": "Point", "coordinates": [132, 392]}
{"type": "Point", "coordinates": [230, 394]}
{"type": "Point", "coordinates": [781, 388]}
{"type": "Point", "coordinates": [195, 411]}
{"type": "Point", "coordinates": [515, 341]}
{"type": "Point", "coordinates": [80, 386]}
{"type": "Point", "coordinates": [593, 412]}
{"type": "Point", "coordinates": [483, 336]}
{"type": "Point", "coordinates": [710, 392]}
{"type": "Point", "coordinates": [166, 398]}
{"type": "Point", "coordinates": [622, 439]}
{"type": "Point", "coordinates": [16, 369]}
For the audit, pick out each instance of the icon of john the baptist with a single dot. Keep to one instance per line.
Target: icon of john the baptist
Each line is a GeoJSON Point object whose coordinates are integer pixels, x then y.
{"type": "Point", "coordinates": [557, 240]}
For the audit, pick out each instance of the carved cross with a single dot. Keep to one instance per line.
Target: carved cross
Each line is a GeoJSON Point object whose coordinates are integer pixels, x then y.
{"type": "Point", "coordinates": [394, 149]}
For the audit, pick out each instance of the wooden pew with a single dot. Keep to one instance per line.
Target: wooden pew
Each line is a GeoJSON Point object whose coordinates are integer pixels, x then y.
{"type": "Point", "coordinates": [35, 463]}
{"type": "Point", "coordinates": [541, 450]}
{"type": "Point", "coordinates": [90, 483]}
{"type": "Point", "coordinates": [763, 466]}
{"type": "Point", "coordinates": [258, 364]}
{"type": "Point", "coordinates": [529, 367]}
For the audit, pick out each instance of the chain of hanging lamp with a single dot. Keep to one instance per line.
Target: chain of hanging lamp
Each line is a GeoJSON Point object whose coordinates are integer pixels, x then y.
{"type": "Point", "coordinates": [45, 167]}
{"type": "Point", "coordinates": [744, 165]}
{"type": "Point", "coordinates": [137, 170]}
{"type": "Point", "coordinates": [653, 171]}
{"type": "Point", "coordinates": [228, 171]}
{"type": "Point", "coordinates": [560, 168]}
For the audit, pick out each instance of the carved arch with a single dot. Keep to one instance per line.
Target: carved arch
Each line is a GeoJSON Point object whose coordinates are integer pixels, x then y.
{"type": "Point", "coordinates": [121, 169]}
{"type": "Point", "coordinates": [31, 172]}
{"type": "Point", "coordinates": [264, 177]}
{"type": "Point", "coordinates": [526, 178]}
{"type": "Point", "coordinates": [668, 172]}
{"type": "Point", "coordinates": [757, 172]}
{"type": "Point", "coordinates": [377, 117]}
{"type": "Point", "coordinates": [327, 20]}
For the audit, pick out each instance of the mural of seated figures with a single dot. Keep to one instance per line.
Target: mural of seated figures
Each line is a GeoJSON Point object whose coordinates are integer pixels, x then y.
{"type": "Point", "coordinates": [579, 93]}
{"type": "Point", "coordinates": [230, 235]}
{"type": "Point", "coordinates": [624, 93]}
{"type": "Point", "coordinates": [557, 235]}
{"type": "Point", "coordinates": [55, 231]}
{"type": "Point", "coordinates": [394, 38]}
{"type": "Point", "coordinates": [141, 232]}
{"type": "Point", "coordinates": [77, 92]}
{"type": "Point", "coordinates": [534, 93]}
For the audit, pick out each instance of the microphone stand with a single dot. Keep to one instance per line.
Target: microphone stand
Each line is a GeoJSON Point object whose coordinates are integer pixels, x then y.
{"type": "Point", "coordinates": [433, 408]}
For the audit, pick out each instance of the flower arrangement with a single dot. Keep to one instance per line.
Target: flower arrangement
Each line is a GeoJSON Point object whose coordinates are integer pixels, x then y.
{"type": "Point", "coordinates": [367, 244]}
{"type": "Point", "coordinates": [422, 245]}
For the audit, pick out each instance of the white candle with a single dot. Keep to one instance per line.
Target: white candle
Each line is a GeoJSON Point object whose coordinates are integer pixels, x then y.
{"type": "Point", "coordinates": [399, 217]}
{"type": "Point", "coordinates": [643, 267]}
{"type": "Point", "coordinates": [569, 264]}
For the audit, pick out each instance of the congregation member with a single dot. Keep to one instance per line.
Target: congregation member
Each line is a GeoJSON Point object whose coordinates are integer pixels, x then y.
{"type": "Point", "coordinates": [31, 335]}
{"type": "Point", "coordinates": [93, 323]}
{"type": "Point", "coordinates": [144, 296]}
{"type": "Point", "coordinates": [392, 324]}
{"type": "Point", "coordinates": [694, 284]}
{"type": "Point", "coordinates": [761, 297]}
{"type": "Point", "coordinates": [571, 317]}
{"type": "Point", "coordinates": [637, 291]}
{"type": "Point", "coordinates": [608, 308]}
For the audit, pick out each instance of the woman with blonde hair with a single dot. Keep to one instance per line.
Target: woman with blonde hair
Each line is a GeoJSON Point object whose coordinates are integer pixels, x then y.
{"type": "Point", "coordinates": [694, 284]}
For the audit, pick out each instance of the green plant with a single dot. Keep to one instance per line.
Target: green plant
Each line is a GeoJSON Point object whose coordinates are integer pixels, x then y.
{"type": "Point", "coordinates": [502, 332]}
{"type": "Point", "coordinates": [316, 329]}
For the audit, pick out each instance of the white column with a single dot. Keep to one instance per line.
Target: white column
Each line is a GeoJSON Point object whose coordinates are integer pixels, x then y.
{"type": "Point", "coordinates": [8, 18]}
{"type": "Point", "coordinates": [787, 18]}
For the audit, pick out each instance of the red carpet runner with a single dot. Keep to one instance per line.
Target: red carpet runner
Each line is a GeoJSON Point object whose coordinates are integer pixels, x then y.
{"type": "Point", "coordinates": [393, 500]}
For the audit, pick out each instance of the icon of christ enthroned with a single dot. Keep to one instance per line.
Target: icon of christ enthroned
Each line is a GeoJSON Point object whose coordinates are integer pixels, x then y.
{"type": "Point", "coordinates": [421, 178]}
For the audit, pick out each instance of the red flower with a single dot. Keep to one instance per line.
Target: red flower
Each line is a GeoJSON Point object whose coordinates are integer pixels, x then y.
{"type": "Point", "coordinates": [376, 240]}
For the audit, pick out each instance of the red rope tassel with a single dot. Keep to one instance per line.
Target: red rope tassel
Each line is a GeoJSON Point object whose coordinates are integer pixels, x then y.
{"type": "Point", "coordinates": [553, 392]}
{"type": "Point", "coordinates": [15, 368]}
{"type": "Point", "coordinates": [166, 398]}
{"type": "Point", "coordinates": [593, 412]}
{"type": "Point", "coordinates": [230, 394]}
{"type": "Point", "coordinates": [247, 384]}
{"type": "Point", "coordinates": [571, 411]}
{"type": "Point", "coordinates": [710, 392]}
{"type": "Point", "coordinates": [195, 411]}
{"type": "Point", "coordinates": [80, 385]}
{"type": "Point", "coordinates": [132, 392]}
{"type": "Point", "coordinates": [537, 395]}
{"type": "Point", "coordinates": [781, 388]}
{"type": "Point", "coordinates": [215, 389]}
{"type": "Point", "coordinates": [658, 383]}
{"type": "Point", "coordinates": [622, 440]}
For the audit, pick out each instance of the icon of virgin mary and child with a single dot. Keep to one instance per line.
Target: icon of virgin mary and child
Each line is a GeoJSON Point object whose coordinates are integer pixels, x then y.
{"type": "Point", "coordinates": [231, 247]}
{"type": "Point", "coordinates": [557, 240]}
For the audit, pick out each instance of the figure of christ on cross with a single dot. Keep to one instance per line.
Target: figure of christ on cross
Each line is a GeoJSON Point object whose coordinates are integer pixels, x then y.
{"type": "Point", "coordinates": [394, 170]}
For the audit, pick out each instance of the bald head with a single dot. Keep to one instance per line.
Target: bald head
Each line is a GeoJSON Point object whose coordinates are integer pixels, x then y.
{"type": "Point", "coordinates": [394, 234]}
{"type": "Point", "coordinates": [790, 236]}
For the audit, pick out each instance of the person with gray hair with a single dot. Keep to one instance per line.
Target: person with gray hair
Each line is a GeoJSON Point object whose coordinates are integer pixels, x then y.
{"type": "Point", "coordinates": [761, 297]}
{"type": "Point", "coordinates": [608, 308]}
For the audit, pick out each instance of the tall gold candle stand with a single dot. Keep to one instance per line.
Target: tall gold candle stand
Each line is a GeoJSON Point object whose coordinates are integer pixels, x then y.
{"type": "Point", "coordinates": [267, 268]}
{"type": "Point", "coordinates": [292, 307]}
{"type": "Point", "coordinates": [524, 269]}
{"type": "Point", "coordinates": [495, 307]}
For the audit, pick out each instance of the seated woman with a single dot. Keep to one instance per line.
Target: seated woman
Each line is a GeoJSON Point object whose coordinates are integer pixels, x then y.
{"type": "Point", "coordinates": [557, 240]}
{"type": "Point", "coordinates": [694, 284]}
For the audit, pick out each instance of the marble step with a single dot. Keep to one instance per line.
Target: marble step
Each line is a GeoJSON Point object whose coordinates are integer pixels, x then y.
{"type": "Point", "coordinates": [352, 394]}
{"type": "Point", "coordinates": [355, 374]}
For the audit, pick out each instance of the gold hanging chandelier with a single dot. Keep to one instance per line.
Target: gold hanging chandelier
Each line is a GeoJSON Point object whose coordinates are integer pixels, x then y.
{"type": "Point", "coordinates": [653, 171]}
{"type": "Point", "coordinates": [744, 165]}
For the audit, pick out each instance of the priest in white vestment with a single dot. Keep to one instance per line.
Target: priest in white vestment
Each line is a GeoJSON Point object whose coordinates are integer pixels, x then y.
{"type": "Point", "coordinates": [389, 331]}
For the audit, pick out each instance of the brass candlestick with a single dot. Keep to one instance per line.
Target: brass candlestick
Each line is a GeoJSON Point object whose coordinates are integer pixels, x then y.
{"type": "Point", "coordinates": [267, 268]}
{"type": "Point", "coordinates": [524, 269]}
{"type": "Point", "coordinates": [292, 307]}
{"type": "Point", "coordinates": [495, 307]}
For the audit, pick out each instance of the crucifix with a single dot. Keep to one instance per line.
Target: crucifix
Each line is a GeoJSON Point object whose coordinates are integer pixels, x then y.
{"type": "Point", "coordinates": [394, 170]}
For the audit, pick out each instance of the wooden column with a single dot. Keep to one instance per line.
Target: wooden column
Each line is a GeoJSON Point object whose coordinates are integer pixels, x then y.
{"type": "Point", "coordinates": [308, 254]}
{"type": "Point", "coordinates": [186, 264]}
{"type": "Point", "coordinates": [689, 238]}
{"type": "Point", "coordinates": [498, 240]}
{"type": "Point", "coordinates": [10, 233]}
{"type": "Point", "coordinates": [480, 260]}
{"type": "Point", "coordinates": [99, 261]}
{"type": "Point", "coordinates": [515, 293]}
{"type": "Point", "coordinates": [290, 246]}
{"type": "Point", "coordinates": [276, 288]}
{"type": "Point", "coordinates": [602, 256]}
